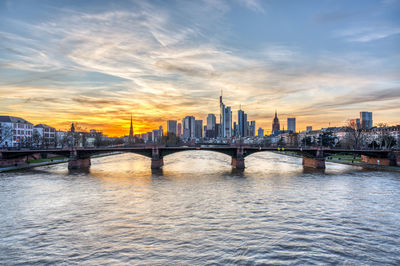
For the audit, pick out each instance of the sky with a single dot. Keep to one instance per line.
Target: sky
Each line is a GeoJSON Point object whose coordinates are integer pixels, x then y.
{"type": "Point", "coordinates": [97, 62]}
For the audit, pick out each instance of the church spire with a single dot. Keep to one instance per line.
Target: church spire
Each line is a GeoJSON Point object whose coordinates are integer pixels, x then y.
{"type": "Point", "coordinates": [131, 130]}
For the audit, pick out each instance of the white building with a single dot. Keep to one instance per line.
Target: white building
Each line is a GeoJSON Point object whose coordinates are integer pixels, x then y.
{"type": "Point", "coordinates": [15, 132]}
{"type": "Point", "coordinates": [47, 134]}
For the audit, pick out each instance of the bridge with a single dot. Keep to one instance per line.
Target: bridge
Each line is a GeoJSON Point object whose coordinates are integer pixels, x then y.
{"type": "Point", "coordinates": [313, 157]}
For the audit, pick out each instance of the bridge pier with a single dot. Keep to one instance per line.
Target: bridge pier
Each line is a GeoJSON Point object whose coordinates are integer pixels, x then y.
{"type": "Point", "coordinates": [317, 163]}
{"type": "Point", "coordinates": [238, 159]}
{"type": "Point", "coordinates": [238, 163]}
{"type": "Point", "coordinates": [79, 163]}
{"type": "Point", "coordinates": [157, 161]}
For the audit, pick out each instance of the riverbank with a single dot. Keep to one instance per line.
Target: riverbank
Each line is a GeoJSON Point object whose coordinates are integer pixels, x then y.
{"type": "Point", "coordinates": [45, 162]}
{"type": "Point", "coordinates": [348, 160]}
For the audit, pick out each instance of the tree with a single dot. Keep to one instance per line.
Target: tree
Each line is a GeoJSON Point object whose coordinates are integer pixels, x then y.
{"type": "Point", "coordinates": [6, 133]}
{"type": "Point", "coordinates": [266, 142]}
{"type": "Point", "coordinates": [386, 140]}
{"type": "Point", "coordinates": [307, 141]}
{"type": "Point", "coordinates": [355, 137]}
{"type": "Point", "coordinates": [36, 138]}
{"type": "Point", "coordinates": [326, 139]}
{"type": "Point", "coordinates": [281, 142]}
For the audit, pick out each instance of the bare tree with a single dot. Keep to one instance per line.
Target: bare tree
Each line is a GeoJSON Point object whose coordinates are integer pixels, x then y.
{"type": "Point", "coordinates": [36, 139]}
{"type": "Point", "coordinates": [355, 136]}
{"type": "Point", "coordinates": [385, 139]}
{"type": "Point", "coordinates": [5, 133]}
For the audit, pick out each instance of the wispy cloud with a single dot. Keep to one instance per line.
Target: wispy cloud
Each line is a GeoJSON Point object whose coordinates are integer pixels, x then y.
{"type": "Point", "coordinates": [162, 64]}
{"type": "Point", "coordinates": [368, 34]}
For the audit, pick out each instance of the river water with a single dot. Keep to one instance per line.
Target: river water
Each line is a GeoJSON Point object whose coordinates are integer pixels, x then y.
{"type": "Point", "coordinates": [197, 211]}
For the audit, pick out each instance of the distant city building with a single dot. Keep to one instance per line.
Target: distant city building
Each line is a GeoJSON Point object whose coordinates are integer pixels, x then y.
{"type": "Point", "coordinates": [261, 132]}
{"type": "Point", "coordinates": [291, 125]}
{"type": "Point", "coordinates": [366, 120]}
{"type": "Point", "coordinates": [15, 132]}
{"type": "Point", "coordinates": [179, 130]}
{"type": "Point", "coordinates": [225, 120]}
{"type": "Point", "coordinates": [309, 128]}
{"type": "Point", "coordinates": [228, 122]}
{"type": "Point", "coordinates": [171, 127]}
{"type": "Point", "coordinates": [242, 123]}
{"type": "Point", "coordinates": [211, 122]}
{"type": "Point", "coordinates": [217, 130]}
{"type": "Point", "coordinates": [275, 124]}
{"type": "Point", "coordinates": [188, 127]}
{"type": "Point", "coordinates": [356, 123]}
{"type": "Point", "coordinates": [211, 131]}
{"type": "Point", "coordinates": [198, 132]}
{"type": "Point", "coordinates": [252, 129]}
{"type": "Point", "coordinates": [235, 130]}
{"type": "Point", "coordinates": [157, 134]}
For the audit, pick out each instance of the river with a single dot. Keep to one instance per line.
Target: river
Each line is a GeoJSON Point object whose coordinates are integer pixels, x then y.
{"type": "Point", "coordinates": [197, 210]}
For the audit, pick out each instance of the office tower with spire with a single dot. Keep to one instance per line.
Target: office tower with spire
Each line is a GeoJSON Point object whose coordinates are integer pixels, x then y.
{"type": "Point", "coordinates": [225, 119]}
{"type": "Point", "coordinates": [275, 123]}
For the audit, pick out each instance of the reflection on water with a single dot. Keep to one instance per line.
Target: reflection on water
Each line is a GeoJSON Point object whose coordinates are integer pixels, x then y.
{"type": "Point", "coordinates": [198, 210]}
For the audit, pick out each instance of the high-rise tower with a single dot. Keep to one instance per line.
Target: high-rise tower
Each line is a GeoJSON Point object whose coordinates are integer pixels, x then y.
{"type": "Point", "coordinates": [275, 123]}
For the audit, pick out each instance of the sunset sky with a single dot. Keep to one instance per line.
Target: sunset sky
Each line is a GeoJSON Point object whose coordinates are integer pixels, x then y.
{"type": "Point", "coordinates": [96, 62]}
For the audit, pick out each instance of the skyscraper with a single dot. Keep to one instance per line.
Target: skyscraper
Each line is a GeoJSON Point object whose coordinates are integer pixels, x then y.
{"type": "Point", "coordinates": [221, 116]}
{"type": "Point", "coordinates": [261, 132]}
{"type": "Point", "coordinates": [179, 129]}
{"type": "Point", "coordinates": [225, 119]}
{"type": "Point", "coordinates": [198, 132]}
{"type": "Point", "coordinates": [275, 124]}
{"type": "Point", "coordinates": [171, 127]}
{"type": "Point", "coordinates": [228, 122]}
{"type": "Point", "coordinates": [188, 127]}
{"type": "Point", "coordinates": [291, 125]}
{"type": "Point", "coordinates": [366, 120]}
{"type": "Point", "coordinates": [252, 129]}
{"type": "Point", "coordinates": [211, 121]}
{"type": "Point", "coordinates": [242, 123]}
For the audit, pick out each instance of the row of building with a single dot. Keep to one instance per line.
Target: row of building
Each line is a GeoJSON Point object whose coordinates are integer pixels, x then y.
{"type": "Point", "coordinates": [193, 129]}
{"type": "Point", "coordinates": [18, 132]}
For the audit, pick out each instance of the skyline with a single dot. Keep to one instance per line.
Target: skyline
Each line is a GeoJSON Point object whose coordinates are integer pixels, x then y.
{"type": "Point", "coordinates": [97, 62]}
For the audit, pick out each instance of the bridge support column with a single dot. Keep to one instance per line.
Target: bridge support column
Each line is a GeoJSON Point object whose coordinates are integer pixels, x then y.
{"type": "Point", "coordinates": [238, 159]}
{"type": "Point", "coordinates": [238, 163]}
{"type": "Point", "coordinates": [79, 163]}
{"type": "Point", "coordinates": [157, 163]}
{"type": "Point", "coordinates": [317, 163]}
{"type": "Point", "coordinates": [157, 160]}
